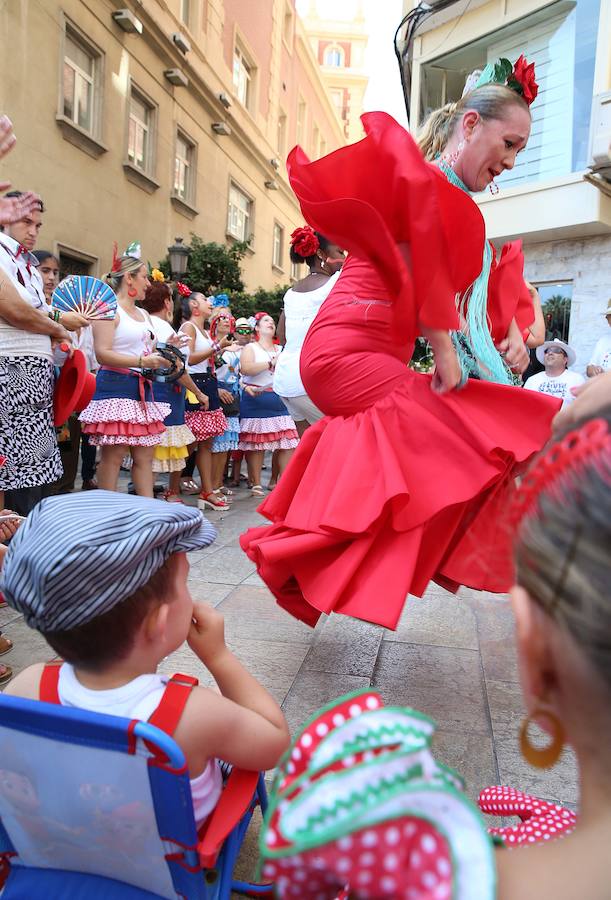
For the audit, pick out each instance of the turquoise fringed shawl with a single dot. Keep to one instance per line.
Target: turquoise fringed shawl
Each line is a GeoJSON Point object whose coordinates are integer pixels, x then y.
{"type": "Point", "coordinates": [474, 347]}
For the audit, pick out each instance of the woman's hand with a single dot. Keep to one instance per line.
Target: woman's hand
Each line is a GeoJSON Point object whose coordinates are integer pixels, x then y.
{"type": "Point", "coordinates": [251, 390]}
{"type": "Point", "coordinates": [514, 349]}
{"type": "Point", "coordinates": [228, 343]}
{"type": "Point", "coordinates": [73, 321]}
{"type": "Point", "coordinates": [448, 374]}
{"type": "Point", "coordinates": [225, 396]}
{"type": "Point", "coordinates": [154, 361]}
{"type": "Point", "coordinates": [202, 399]}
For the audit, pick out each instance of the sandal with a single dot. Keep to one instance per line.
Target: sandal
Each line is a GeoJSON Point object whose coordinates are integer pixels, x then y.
{"type": "Point", "coordinates": [6, 673]}
{"type": "Point", "coordinates": [189, 486]}
{"type": "Point", "coordinates": [257, 491]}
{"type": "Point", "coordinates": [6, 644]}
{"type": "Point", "coordinates": [171, 496]}
{"type": "Point", "coordinates": [224, 490]}
{"type": "Point", "coordinates": [212, 501]}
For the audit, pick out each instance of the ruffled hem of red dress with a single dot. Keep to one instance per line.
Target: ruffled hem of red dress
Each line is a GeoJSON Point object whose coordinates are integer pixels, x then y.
{"type": "Point", "coordinates": [417, 493]}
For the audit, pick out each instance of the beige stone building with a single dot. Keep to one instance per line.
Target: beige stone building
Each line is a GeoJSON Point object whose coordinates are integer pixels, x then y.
{"type": "Point", "coordinates": [558, 196]}
{"type": "Point", "coordinates": [150, 119]}
{"type": "Point", "coordinates": [339, 45]}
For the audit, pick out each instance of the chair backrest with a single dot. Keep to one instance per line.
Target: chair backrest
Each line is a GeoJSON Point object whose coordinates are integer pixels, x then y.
{"type": "Point", "coordinates": [96, 794]}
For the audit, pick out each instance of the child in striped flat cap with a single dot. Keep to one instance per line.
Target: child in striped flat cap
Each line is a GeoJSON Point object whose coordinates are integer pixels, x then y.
{"type": "Point", "coordinates": [103, 577]}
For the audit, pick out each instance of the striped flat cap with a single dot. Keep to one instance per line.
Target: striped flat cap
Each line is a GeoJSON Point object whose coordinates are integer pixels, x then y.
{"type": "Point", "coordinates": [76, 556]}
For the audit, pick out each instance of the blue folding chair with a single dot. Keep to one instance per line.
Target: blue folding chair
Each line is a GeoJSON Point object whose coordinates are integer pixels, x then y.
{"type": "Point", "coordinates": [96, 806]}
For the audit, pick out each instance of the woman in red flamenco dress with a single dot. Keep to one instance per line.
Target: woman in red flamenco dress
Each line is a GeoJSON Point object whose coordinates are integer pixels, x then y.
{"type": "Point", "coordinates": [405, 481]}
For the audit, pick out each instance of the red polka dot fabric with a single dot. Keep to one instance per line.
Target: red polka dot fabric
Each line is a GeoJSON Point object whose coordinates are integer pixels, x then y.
{"type": "Point", "coordinates": [361, 809]}
{"type": "Point", "coordinates": [540, 820]}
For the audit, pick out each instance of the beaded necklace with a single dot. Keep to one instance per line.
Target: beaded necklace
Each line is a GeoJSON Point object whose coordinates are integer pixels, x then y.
{"type": "Point", "coordinates": [474, 346]}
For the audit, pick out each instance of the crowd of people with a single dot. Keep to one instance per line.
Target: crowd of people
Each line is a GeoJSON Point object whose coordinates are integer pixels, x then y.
{"type": "Point", "coordinates": [384, 476]}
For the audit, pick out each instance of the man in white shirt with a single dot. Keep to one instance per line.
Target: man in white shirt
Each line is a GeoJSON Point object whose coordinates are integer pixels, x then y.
{"type": "Point", "coordinates": [557, 380]}
{"type": "Point", "coordinates": [601, 358]}
{"type": "Point", "coordinates": [17, 241]}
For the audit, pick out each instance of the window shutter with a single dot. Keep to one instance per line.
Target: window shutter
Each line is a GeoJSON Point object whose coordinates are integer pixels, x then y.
{"type": "Point", "coordinates": [551, 46]}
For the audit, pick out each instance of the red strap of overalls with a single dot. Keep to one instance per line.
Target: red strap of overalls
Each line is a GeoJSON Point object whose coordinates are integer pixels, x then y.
{"type": "Point", "coordinates": [49, 681]}
{"type": "Point", "coordinates": [171, 706]}
{"type": "Point", "coordinates": [168, 712]}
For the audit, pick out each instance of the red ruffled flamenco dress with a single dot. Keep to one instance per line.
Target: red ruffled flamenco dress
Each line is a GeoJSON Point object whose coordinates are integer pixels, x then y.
{"type": "Point", "coordinates": [397, 486]}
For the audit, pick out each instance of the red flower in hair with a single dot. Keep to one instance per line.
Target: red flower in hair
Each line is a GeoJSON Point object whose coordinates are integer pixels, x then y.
{"type": "Point", "coordinates": [183, 289]}
{"type": "Point", "coordinates": [116, 262]}
{"type": "Point", "coordinates": [524, 74]}
{"type": "Point", "coordinates": [304, 241]}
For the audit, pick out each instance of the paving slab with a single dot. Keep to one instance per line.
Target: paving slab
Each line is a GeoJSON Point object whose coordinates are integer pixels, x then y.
{"type": "Point", "coordinates": [451, 656]}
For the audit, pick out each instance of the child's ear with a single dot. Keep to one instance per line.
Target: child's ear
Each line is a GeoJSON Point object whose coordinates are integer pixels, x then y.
{"type": "Point", "coordinates": [156, 622]}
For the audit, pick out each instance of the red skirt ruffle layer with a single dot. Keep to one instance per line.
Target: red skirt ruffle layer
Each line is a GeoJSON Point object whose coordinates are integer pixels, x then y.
{"type": "Point", "coordinates": [376, 505]}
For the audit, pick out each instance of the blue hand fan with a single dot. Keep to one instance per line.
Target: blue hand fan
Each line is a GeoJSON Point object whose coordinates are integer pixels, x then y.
{"type": "Point", "coordinates": [86, 295]}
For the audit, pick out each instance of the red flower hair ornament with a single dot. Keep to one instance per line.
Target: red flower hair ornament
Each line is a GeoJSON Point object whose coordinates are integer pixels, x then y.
{"type": "Point", "coordinates": [183, 289]}
{"type": "Point", "coordinates": [304, 241]}
{"type": "Point", "coordinates": [522, 79]}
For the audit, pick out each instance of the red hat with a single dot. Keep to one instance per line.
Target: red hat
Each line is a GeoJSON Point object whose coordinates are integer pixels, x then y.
{"type": "Point", "coordinates": [74, 388]}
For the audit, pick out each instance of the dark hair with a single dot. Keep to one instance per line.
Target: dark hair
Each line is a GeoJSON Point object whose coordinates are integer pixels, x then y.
{"type": "Point", "coordinates": [182, 308]}
{"type": "Point", "coordinates": [156, 295]}
{"type": "Point", "coordinates": [324, 242]}
{"type": "Point", "coordinates": [43, 255]}
{"type": "Point", "coordinates": [562, 551]}
{"type": "Point", "coordinates": [109, 638]}
{"type": "Point", "coordinates": [41, 205]}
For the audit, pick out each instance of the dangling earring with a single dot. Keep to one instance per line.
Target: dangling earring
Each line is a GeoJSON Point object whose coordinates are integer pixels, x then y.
{"type": "Point", "coordinates": [131, 292]}
{"type": "Point", "coordinates": [542, 757]}
{"type": "Point", "coordinates": [323, 265]}
{"type": "Point", "coordinates": [452, 158]}
{"type": "Point", "coordinates": [494, 188]}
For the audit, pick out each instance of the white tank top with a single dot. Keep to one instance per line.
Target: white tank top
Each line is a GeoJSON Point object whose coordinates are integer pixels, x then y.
{"type": "Point", "coordinates": [300, 309]}
{"type": "Point", "coordinates": [131, 337]}
{"type": "Point", "coordinates": [202, 342]}
{"type": "Point", "coordinates": [138, 699]}
{"type": "Point", "coordinates": [262, 379]}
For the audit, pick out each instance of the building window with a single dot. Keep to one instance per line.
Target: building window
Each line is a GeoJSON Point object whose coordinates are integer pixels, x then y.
{"type": "Point", "coordinates": [281, 143]}
{"type": "Point", "coordinates": [239, 214]}
{"type": "Point", "coordinates": [301, 121]}
{"type": "Point", "coordinates": [561, 41]}
{"type": "Point", "coordinates": [295, 271]}
{"type": "Point", "coordinates": [278, 246]}
{"type": "Point", "coordinates": [242, 77]}
{"type": "Point", "coordinates": [184, 169]}
{"type": "Point", "coordinates": [79, 81]}
{"type": "Point", "coordinates": [334, 56]}
{"type": "Point", "coordinates": [141, 132]}
{"type": "Point", "coordinates": [556, 304]}
{"type": "Point", "coordinates": [185, 12]}
{"type": "Point", "coordinates": [337, 99]}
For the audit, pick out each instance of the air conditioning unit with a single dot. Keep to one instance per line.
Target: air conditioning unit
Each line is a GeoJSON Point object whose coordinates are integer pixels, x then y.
{"type": "Point", "coordinates": [177, 77]}
{"type": "Point", "coordinates": [221, 128]}
{"type": "Point", "coordinates": [225, 100]}
{"type": "Point", "coordinates": [181, 42]}
{"type": "Point", "coordinates": [600, 135]}
{"type": "Point", "coordinates": [126, 20]}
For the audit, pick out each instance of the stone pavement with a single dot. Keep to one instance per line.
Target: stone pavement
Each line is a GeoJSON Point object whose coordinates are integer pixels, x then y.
{"type": "Point", "coordinates": [451, 657]}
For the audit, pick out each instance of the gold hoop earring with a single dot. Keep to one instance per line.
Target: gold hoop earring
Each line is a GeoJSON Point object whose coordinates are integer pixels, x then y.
{"type": "Point", "coordinates": [542, 757]}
